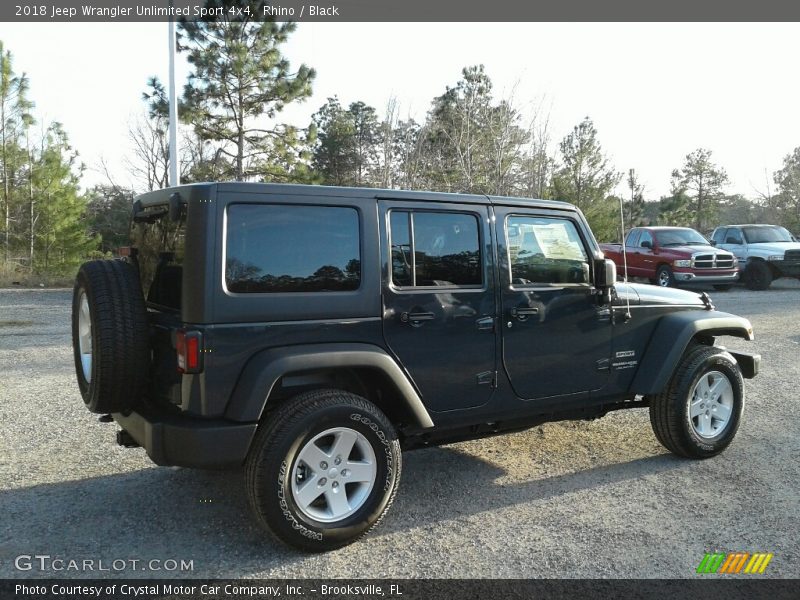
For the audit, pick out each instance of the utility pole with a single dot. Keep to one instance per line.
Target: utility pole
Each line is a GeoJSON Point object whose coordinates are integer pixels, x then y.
{"type": "Point", "coordinates": [174, 174]}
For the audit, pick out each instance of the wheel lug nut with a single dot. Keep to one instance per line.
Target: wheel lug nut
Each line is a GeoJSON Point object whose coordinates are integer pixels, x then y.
{"type": "Point", "coordinates": [337, 460]}
{"type": "Point", "coordinates": [335, 484]}
{"type": "Point", "coordinates": [323, 481]}
{"type": "Point", "coordinates": [323, 465]}
{"type": "Point", "coordinates": [345, 472]}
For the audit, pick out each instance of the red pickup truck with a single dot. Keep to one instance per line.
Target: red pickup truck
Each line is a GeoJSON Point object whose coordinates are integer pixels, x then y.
{"type": "Point", "coordinates": [674, 255]}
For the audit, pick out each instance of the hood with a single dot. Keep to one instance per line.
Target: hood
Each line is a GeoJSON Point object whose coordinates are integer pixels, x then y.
{"type": "Point", "coordinates": [694, 249]}
{"type": "Point", "coordinates": [653, 294]}
{"type": "Point", "coordinates": [773, 247]}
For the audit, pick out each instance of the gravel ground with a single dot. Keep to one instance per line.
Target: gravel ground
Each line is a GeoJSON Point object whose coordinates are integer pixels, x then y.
{"type": "Point", "coordinates": [585, 499]}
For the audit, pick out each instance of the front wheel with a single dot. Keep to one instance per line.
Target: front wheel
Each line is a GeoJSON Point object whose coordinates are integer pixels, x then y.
{"type": "Point", "coordinates": [697, 416]}
{"type": "Point", "coordinates": [757, 276]}
{"type": "Point", "coordinates": [323, 470]}
{"type": "Point", "coordinates": [665, 277]}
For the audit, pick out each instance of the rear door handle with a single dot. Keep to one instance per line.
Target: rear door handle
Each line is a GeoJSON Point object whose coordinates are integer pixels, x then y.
{"type": "Point", "coordinates": [524, 312]}
{"type": "Point", "coordinates": [416, 317]}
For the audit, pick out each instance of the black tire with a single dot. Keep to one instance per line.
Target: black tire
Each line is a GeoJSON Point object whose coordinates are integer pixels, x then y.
{"type": "Point", "coordinates": [670, 411]}
{"type": "Point", "coordinates": [119, 351]}
{"type": "Point", "coordinates": [757, 275]}
{"type": "Point", "coordinates": [722, 287]}
{"type": "Point", "coordinates": [273, 466]}
{"type": "Point", "coordinates": [665, 277]}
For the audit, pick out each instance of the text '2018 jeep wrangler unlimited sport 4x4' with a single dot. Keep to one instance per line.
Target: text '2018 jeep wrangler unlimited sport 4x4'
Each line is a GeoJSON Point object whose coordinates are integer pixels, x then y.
{"type": "Point", "coordinates": [310, 333]}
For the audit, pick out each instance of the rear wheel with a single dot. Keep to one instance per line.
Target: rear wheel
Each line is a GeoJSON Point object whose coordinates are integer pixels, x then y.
{"type": "Point", "coordinates": [757, 275]}
{"type": "Point", "coordinates": [664, 276]}
{"type": "Point", "coordinates": [109, 336]}
{"type": "Point", "coordinates": [697, 416]}
{"type": "Point", "coordinates": [323, 470]}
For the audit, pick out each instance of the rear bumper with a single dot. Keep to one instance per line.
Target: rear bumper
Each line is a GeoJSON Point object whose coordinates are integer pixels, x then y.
{"type": "Point", "coordinates": [174, 440]}
{"type": "Point", "coordinates": [688, 277]}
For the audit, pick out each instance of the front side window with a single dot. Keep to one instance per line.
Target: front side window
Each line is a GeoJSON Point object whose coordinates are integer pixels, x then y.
{"type": "Point", "coordinates": [719, 235]}
{"type": "Point", "coordinates": [273, 248]}
{"type": "Point", "coordinates": [645, 237]}
{"type": "Point", "coordinates": [439, 249]}
{"type": "Point", "coordinates": [545, 250]}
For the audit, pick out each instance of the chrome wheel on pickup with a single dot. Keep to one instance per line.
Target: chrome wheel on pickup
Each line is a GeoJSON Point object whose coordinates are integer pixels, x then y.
{"type": "Point", "coordinates": [85, 336]}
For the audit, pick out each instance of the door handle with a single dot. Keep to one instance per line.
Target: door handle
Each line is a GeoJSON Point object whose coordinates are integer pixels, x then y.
{"type": "Point", "coordinates": [416, 317]}
{"type": "Point", "coordinates": [523, 312]}
{"type": "Point", "coordinates": [485, 324]}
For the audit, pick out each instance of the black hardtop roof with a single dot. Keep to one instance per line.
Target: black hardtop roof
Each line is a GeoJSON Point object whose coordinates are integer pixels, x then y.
{"type": "Point", "coordinates": [187, 192]}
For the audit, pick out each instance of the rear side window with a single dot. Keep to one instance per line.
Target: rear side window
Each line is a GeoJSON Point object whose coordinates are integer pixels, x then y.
{"type": "Point", "coordinates": [273, 248]}
{"type": "Point", "coordinates": [439, 249]}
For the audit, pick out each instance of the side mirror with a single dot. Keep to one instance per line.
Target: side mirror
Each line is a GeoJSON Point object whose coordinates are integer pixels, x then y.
{"type": "Point", "coordinates": [713, 242]}
{"type": "Point", "coordinates": [647, 244]}
{"type": "Point", "coordinates": [605, 273]}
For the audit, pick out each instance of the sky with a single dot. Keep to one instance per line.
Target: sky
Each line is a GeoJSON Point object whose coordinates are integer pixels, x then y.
{"type": "Point", "coordinates": [655, 91]}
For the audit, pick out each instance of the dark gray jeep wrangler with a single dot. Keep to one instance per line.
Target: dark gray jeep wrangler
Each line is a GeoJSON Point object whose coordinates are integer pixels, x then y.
{"type": "Point", "coordinates": [310, 333]}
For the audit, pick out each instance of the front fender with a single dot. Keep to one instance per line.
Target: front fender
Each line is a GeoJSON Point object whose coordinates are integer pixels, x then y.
{"type": "Point", "coordinates": [264, 370]}
{"type": "Point", "coordinates": [670, 339]}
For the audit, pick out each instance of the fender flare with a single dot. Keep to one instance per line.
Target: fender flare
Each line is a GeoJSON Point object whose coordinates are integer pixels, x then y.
{"type": "Point", "coordinates": [266, 367]}
{"type": "Point", "coordinates": [670, 339]}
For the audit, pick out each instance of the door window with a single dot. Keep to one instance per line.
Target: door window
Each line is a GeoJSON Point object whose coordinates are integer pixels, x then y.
{"type": "Point", "coordinates": [645, 237]}
{"type": "Point", "coordinates": [435, 249]}
{"type": "Point", "coordinates": [545, 250]}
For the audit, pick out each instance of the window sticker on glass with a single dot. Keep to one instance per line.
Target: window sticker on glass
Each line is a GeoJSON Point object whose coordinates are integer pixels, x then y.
{"type": "Point", "coordinates": [555, 242]}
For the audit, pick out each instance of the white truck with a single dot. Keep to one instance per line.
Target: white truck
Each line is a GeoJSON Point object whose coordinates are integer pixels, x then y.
{"type": "Point", "coordinates": [764, 252]}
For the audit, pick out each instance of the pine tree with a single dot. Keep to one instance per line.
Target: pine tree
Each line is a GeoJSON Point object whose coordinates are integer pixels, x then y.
{"type": "Point", "coordinates": [61, 237]}
{"type": "Point", "coordinates": [586, 176]}
{"type": "Point", "coordinates": [239, 83]}
{"type": "Point", "coordinates": [703, 181]}
{"type": "Point", "coordinates": [14, 120]}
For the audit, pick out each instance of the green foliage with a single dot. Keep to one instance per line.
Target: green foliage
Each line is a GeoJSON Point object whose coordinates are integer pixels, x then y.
{"type": "Point", "coordinates": [108, 212]}
{"type": "Point", "coordinates": [702, 181]}
{"type": "Point", "coordinates": [239, 83]}
{"type": "Point", "coordinates": [586, 175]}
{"type": "Point", "coordinates": [787, 201]}
{"type": "Point", "coordinates": [346, 149]}
{"type": "Point", "coordinates": [61, 240]}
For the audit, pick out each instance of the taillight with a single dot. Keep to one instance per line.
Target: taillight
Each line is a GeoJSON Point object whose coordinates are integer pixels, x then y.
{"type": "Point", "coordinates": [188, 346]}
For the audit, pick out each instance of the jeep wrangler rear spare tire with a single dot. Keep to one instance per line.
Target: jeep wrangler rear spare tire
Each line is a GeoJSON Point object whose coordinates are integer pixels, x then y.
{"type": "Point", "coordinates": [323, 470]}
{"type": "Point", "coordinates": [109, 336]}
{"type": "Point", "coordinates": [697, 416]}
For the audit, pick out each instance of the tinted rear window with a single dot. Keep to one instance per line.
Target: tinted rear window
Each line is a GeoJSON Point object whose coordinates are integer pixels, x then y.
{"type": "Point", "coordinates": [161, 244]}
{"type": "Point", "coordinates": [275, 248]}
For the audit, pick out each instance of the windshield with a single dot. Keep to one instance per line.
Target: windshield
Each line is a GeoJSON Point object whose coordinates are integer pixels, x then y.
{"type": "Point", "coordinates": [760, 235]}
{"type": "Point", "coordinates": [679, 237]}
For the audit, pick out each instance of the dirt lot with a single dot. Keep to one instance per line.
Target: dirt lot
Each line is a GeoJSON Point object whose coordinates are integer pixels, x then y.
{"type": "Point", "coordinates": [589, 499]}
